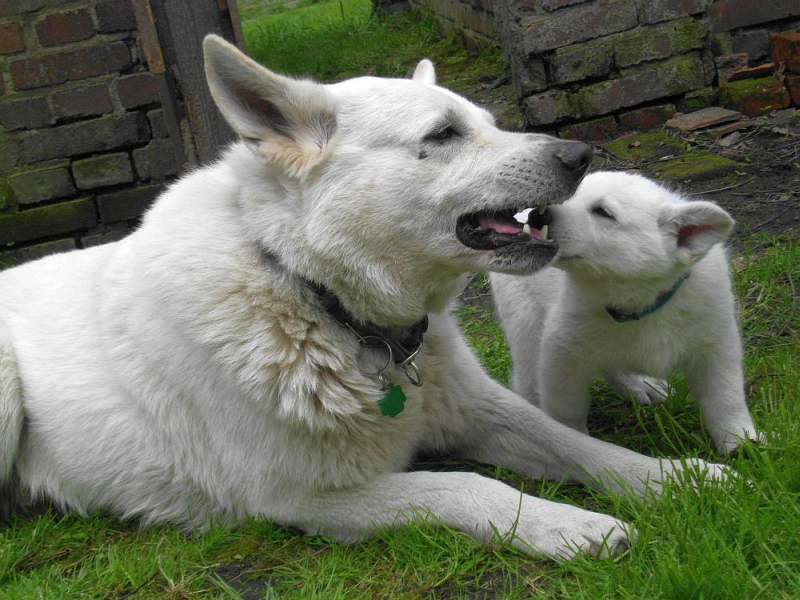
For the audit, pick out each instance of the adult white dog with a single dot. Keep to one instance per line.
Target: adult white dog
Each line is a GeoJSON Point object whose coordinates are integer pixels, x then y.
{"type": "Point", "coordinates": [209, 366]}
{"type": "Point", "coordinates": [640, 287]}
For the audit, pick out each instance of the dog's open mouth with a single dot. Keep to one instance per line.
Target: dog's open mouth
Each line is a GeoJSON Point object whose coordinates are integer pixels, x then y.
{"type": "Point", "coordinates": [493, 229]}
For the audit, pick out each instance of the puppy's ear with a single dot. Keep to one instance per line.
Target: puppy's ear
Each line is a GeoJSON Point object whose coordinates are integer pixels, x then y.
{"type": "Point", "coordinates": [425, 73]}
{"type": "Point", "coordinates": [289, 122]}
{"type": "Point", "coordinates": [694, 227]}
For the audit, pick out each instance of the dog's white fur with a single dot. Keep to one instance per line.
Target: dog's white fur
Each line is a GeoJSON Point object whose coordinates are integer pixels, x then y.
{"type": "Point", "coordinates": [188, 374]}
{"type": "Point", "coordinates": [562, 338]}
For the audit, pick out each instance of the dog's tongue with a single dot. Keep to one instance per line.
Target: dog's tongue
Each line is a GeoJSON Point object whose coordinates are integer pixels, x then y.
{"type": "Point", "coordinates": [501, 225]}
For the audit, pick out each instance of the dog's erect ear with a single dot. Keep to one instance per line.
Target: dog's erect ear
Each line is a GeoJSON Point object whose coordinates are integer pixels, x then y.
{"type": "Point", "coordinates": [425, 73]}
{"type": "Point", "coordinates": [696, 227]}
{"type": "Point", "coordinates": [289, 121]}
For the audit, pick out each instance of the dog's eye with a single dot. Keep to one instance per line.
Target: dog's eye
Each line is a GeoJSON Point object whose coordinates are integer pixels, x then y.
{"type": "Point", "coordinates": [442, 135]}
{"type": "Point", "coordinates": [602, 212]}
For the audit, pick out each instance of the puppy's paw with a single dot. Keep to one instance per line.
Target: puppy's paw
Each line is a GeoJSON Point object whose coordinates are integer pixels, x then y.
{"type": "Point", "coordinates": [729, 443]}
{"type": "Point", "coordinates": [646, 390]}
{"type": "Point", "coordinates": [574, 531]}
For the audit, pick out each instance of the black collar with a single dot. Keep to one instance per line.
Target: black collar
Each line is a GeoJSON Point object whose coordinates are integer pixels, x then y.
{"type": "Point", "coordinates": [404, 343]}
{"type": "Point", "coordinates": [623, 317]}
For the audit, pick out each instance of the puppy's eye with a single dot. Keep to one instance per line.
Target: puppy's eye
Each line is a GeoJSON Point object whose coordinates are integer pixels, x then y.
{"type": "Point", "coordinates": [602, 212]}
{"type": "Point", "coordinates": [442, 135]}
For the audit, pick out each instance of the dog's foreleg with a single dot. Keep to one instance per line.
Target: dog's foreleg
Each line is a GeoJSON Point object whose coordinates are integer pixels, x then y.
{"type": "Point", "coordinates": [504, 429]}
{"type": "Point", "coordinates": [11, 419]}
{"type": "Point", "coordinates": [716, 381]}
{"type": "Point", "coordinates": [479, 506]}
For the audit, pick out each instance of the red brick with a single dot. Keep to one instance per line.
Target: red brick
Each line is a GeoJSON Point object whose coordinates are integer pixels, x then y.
{"type": "Point", "coordinates": [786, 49]}
{"type": "Point", "coordinates": [754, 97]}
{"type": "Point", "coordinates": [137, 90]}
{"type": "Point", "coordinates": [58, 68]}
{"type": "Point", "coordinates": [11, 38]}
{"type": "Point", "coordinates": [2, 86]}
{"type": "Point", "coordinates": [594, 130]}
{"type": "Point", "coordinates": [725, 15]}
{"type": "Point", "coordinates": [793, 83]}
{"type": "Point", "coordinates": [87, 101]}
{"type": "Point", "coordinates": [647, 118]}
{"type": "Point", "coordinates": [65, 27]}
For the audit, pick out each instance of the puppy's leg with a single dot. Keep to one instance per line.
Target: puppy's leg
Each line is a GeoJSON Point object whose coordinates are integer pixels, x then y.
{"type": "Point", "coordinates": [11, 419]}
{"type": "Point", "coordinates": [717, 382]}
{"type": "Point", "coordinates": [503, 429]}
{"type": "Point", "coordinates": [476, 505]}
{"type": "Point", "coordinates": [646, 390]}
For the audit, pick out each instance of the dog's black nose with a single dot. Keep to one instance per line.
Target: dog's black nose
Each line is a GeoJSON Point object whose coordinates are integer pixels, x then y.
{"type": "Point", "coordinates": [575, 157]}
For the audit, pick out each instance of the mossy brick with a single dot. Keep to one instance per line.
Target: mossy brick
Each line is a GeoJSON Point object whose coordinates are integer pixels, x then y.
{"type": "Point", "coordinates": [125, 205]}
{"type": "Point", "coordinates": [653, 43]}
{"type": "Point", "coordinates": [38, 185]}
{"type": "Point", "coordinates": [577, 24]}
{"type": "Point", "coordinates": [82, 101]}
{"type": "Point", "coordinates": [640, 85]}
{"type": "Point", "coordinates": [29, 113]}
{"type": "Point", "coordinates": [593, 130]}
{"type": "Point", "coordinates": [12, 8]}
{"type": "Point", "coordinates": [697, 99]}
{"type": "Point", "coordinates": [84, 137]}
{"type": "Point", "coordinates": [656, 11]}
{"type": "Point", "coordinates": [156, 161]}
{"type": "Point", "coordinates": [695, 166]}
{"type": "Point", "coordinates": [529, 75]}
{"type": "Point", "coordinates": [47, 221]}
{"type": "Point", "coordinates": [645, 146]}
{"type": "Point", "coordinates": [549, 107]}
{"type": "Point", "coordinates": [6, 196]}
{"type": "Point", "coordinates": [9, 153]}
{"type": "Point", "coordinates": [754, 42]}
{"type": "Point", "coordinates": [13, 258]}
{"type": "Point", "coordinates": [105, 235]}
{"type": "Point", "coordinates": [648, 117]}
{"type": "Point", "coordinates": [726, 15]}
{"type": "Point", "coordinates": [582, 61]}
{"type": "Point", "coordinates": [755, 97]}
{"type": "Point", "coordinates": [102, 171]}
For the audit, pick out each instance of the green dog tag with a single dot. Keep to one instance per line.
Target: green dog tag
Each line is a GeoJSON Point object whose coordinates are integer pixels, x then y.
{"type": "Point", "coordinates": [393, 402]}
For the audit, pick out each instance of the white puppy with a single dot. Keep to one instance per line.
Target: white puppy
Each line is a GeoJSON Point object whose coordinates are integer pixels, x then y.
{"type": "Point", "coordinates": [226, 360]}
{"type": "Point", "coordinates": [640, 285]}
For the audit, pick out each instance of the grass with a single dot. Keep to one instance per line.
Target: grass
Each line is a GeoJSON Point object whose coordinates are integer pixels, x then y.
{"type": "Point", "coordinates": [736, 540]}
{"type": "Point", "coordinates": [334, 40]}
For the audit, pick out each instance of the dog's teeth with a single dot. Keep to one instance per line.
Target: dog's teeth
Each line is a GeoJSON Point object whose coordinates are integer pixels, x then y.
{"type": "Point", "coordinates": [522, 216]}
{"type": "Point", "coordinates": [526, 229]}
{"type": "Point", "coordinates": [544, 231]}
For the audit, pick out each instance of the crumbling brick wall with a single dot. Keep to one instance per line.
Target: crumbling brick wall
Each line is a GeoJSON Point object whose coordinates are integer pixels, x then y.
{"type": "Point", "coordinates": [593, 68]}
{"type": "Point", "coordinates": [84, 147]}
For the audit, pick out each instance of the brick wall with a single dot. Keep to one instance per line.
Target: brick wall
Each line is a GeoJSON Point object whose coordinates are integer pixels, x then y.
{"type": "Point", "coordinates": [84, 146]}
{"type": "Point", "coordinates": [592, 68]}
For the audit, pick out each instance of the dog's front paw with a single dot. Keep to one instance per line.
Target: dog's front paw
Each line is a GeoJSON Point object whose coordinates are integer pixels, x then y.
{"type": "Point", "coordinates": [571, 531]}
{"type": "Point", "coordinates": [693, 471]}
{"type": "Point", "coordinates": [642, 388]}
{"type": "Point", "coordinates": [729, 443]}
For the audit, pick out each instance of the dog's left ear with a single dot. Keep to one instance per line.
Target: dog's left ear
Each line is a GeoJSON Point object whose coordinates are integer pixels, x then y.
{"type": "Point", "coordinates": [425, 72]}
{"type": "Point", "coordinates": [289, 122]}
{"type": "Point", "coordinates": [695, 228]}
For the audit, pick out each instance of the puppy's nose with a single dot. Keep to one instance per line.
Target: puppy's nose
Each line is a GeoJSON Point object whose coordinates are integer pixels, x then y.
{"type": "Point", "coordinates": [575, 157]}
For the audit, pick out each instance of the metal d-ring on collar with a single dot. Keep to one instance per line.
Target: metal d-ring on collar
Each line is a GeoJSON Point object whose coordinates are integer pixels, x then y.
{"type": "Point", "coordinates": [408, 366]}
